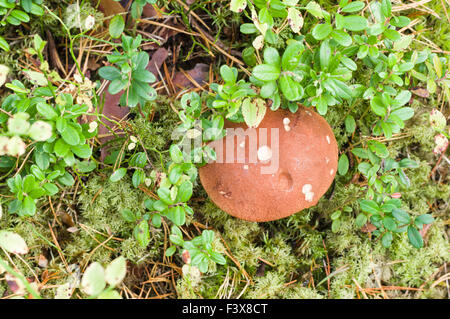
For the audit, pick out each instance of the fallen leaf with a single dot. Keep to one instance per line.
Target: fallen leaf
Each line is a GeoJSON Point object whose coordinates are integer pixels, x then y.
{"type": "Point", "coordinates": [42, 261]}
{"type": "Point", "coordinates": [66, 219]}
{"type": "Point", "coordinates": [157, 61]}
{"type": "Point", "coordinates": [199, 74]}
{"type": "Point", "coordinates": [110, 8]}
{"type": "Point", "coordinates": [16, 286]}
{"type": "Point", "coordinates": [422, 92]}
{"type": "Point", "coordinates": [368, 228]}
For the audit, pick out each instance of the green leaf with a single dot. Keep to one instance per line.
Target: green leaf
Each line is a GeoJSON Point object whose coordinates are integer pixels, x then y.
{"type": "Point", "coordinates": [325, 55]}
{"type": "Point", "coordinates": [386, 7]}
{"type": "Point", "coordinates": [46, 111]}
{"type": "Point", "coordinates": [164, 195]}
{"type": "Point", "coordinates": [402, 216]}
{"type": "Point", "coordinates": [369, 206]}
{"type": "Point", "coordinates": [403, 43]}
{"type": "Point", "coordinates": [248, 28]}
{"type": "Point", "coordinates": [414, 237]}
{"type": "Point", "coordinates": [20, 15]}
{"type": "Point", "coordinates": [268, 89]}
{"type": "Point", "coordinates": [407, 162]}
{"type": "Point", "coordinates": [353, 6]}
{"type": "Point", "coordinates": [128, 215]}
{"type": "Point", "coordinates": [343, 164]}
{"type": "Point", "coordinates": [61, 148]}
{"type": "Point", "coordinates": [362, 52]}
{"type": "Point", "coordinates": [272, 57]}
{"type": "Point", "coordinates": [404, 113]}
{"type": "Point", "coordinates": [218, 258]}
{"type": "Point", "coordinates": [402, 98]}
{"type": "Point", "coordinates": [142, 234]}
{"type": "Point", "coordinates": [177, 215]}
{"type": "Point", "coordinates": [355, 23]}
{"type": "Point", "coordinates": [386, 240]}
{"type": "Point", "coordinates": [109, 294]}
{"type": "Point", "coordinates": [116, 26]}
{"type": "Point", "coordinates": [335, 225]}
{"type": "Point", "coordinates": [118, 174]}
{"type": "Point", "coordinates": [266, 72]}
{"type": "Point", "coordinates": [70, 135]}
{"type": "Point", "coordinates": [425, 219]}
{"type": "Point", "coordinates": [116, 271]}
{"type": "Point", "coordinates": [321, 31]}
{"type": "Point", "coordinates": [143, 75]}
{"type": "Point", "coordinates": [4, 44]}
{"type": "Point", "coordinates": [378, 148]}
{"type": "Point", "coordinates": [118, 85]}
{"type": "Point", "coordinates": [13, 243]}
{"type": "Point", "coordinates": [184, 192]}
{"type": "Point", "coordinates": [341, 37]}
{"type": "Point", "coordinates": [227, 74]}
{"type": "Point", "coordinates": [109, 73]}
{"type": "Point", "coordinates": [392, 35]}
{"type": "Point", "coordinates": [360, 152]}
{"type": "Point", "coordinates": [361, 220]}
{"type": "Point", "coordinates": [291, 56]}
{"type": "Point", "coordinates": [350, 124]}
{"type": "Point", "coordinates": [295, 19]}
{"type": "Point", "coordinates": [83, 151]}
{"type": "Point", "coordinates": [175, 153]}
{"type": "Point", "coordinates": [170, 251]}
{"type": "Point", "coordinates": [37, 78]}
{"type": "Point", "coordinates": [175, 173]}
{"type": "Point", "coordinates": [349, 63]}
{"type": "Point", "coordinates": [93, 281]}
{"type": "Point", "coordinates": [289, 88]}
{"type": "Point", "coordinates": [315, 9]}
{"type": "Point", "coordinates": [336, 215]}
{"type": "Point", "coordinates": [389, 223]}
{"type": "Point", "coordinates": [50, 188]}
{"type": "Point", "coordinates": [378, 106]}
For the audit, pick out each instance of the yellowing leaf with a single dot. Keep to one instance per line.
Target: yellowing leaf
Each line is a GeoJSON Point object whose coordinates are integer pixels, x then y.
{"type": "Point", "coordinates": [12, 242]}
{"type": "Point", "coordinates": [258, 43]}
{"type": "Point", "coordinates": [4, 70]}
{"type": "Point", "coordinates": [253, 111]}
{"type": "Point", "coordinates": [36, 77]}
{"type": "Point", "coordinates": [238, 5]}
{"type": "Point", "coordinates": [116, 271]}
{"type": "Point", "coordinates": [295, 19]}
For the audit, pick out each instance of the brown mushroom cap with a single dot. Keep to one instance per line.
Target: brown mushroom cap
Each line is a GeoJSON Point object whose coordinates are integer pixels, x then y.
{"type": "Point", "coordinates": [308, 156]}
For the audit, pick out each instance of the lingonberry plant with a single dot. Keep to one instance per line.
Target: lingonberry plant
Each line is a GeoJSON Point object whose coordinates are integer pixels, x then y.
{"type": "Point", "coordinates": [316, 69]}
{"type": "Point", "coordinates": [47, 125]}
{"type": "Point", "coordinates": [130, 75]}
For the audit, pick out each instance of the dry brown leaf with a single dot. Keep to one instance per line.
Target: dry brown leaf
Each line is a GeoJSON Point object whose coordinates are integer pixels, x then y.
{"type": "Point", "coordinates": [199, 74]}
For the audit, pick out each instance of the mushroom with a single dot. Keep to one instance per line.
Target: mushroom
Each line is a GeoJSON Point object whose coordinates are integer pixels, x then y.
{"type": "Point", "coordinates": [294, 165]}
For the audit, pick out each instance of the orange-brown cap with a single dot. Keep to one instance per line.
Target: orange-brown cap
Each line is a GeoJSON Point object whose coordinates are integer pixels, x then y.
{"type": "Point", "coordinates": [275, 177]}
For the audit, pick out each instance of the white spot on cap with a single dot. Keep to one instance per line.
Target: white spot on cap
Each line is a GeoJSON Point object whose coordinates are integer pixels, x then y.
{"type": "Point", "coordinates": [286, 121]}
{"type": "Point", "coordinates": [242, 144]}
{"type": "Point", "coordinates": [331, 172]}
{"type": "Point", "coordinates": [309, 113]}
{"type": "Point", "coordinates": [264, 153]}
{"type": "Point", "coordinates": [309, 196]}
{"type": "Point", "coordinates": [306, 189]}
{"type": "Point", "coordinates": [287, 128]}
{"type": "Point", "coordinates": [328, 139]}
{"type": "Point", "coordinates": [245, 166]}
